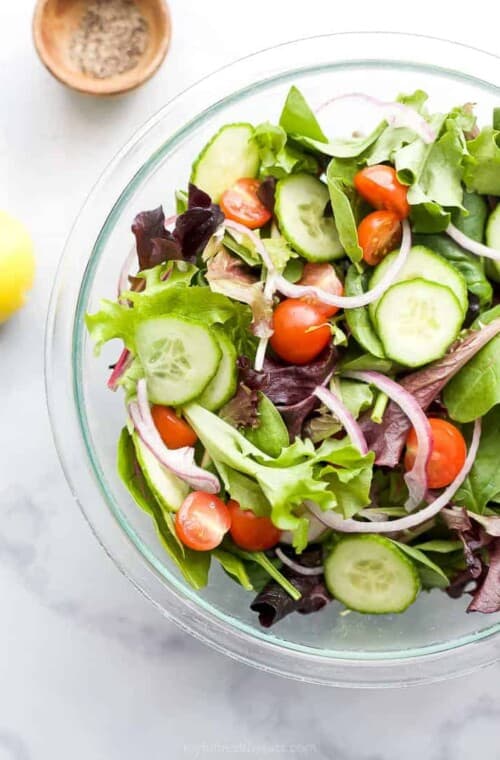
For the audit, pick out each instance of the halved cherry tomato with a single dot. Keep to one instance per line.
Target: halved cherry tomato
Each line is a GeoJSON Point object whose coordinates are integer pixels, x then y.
{"type": "Point", "coordinates": [325, 277]}
{"type": "Point", "coordinates": [380, 186]}
{"type": "Point", "coordinates": [256, 534]}
{"type": "Point", "coordinates": [202, 521]}
{"type": "Point", "coordinates": [174, 431]}
{"type": "Point", "coordinates": [379, 233]}
{"type": "Point", "coordinates": [300, 331]}
{"type": "Point", "coordinates": [448, 453]}
{"type": "Point", "coordinates": [241, 204]}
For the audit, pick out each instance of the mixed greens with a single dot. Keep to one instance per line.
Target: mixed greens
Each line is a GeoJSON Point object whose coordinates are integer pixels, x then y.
{"type": "Point", "coordinates": [311, 362]}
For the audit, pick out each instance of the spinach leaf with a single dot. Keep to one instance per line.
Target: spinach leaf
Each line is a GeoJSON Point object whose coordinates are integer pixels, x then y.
{"type": "Point", "coordinates": [476, 388]}
{"type": "Point", "coordinates": [298, 119]}
{"type": "Point", "coordinates": [261, 559]}
{"type": "Point", "coordinates": [194, 566]}
{"type": "Point", "coordinates": [342, 200]}
{"type": "Point", "coordinates": [440, 546]}
{"type": "Point", "coordinates": [353, 360]}
{"type": "Point", "coordinates": [473, 222]}
{"type": "Point", "coordinates": [417, 555]}
{"type": "Point", "coordinates": [483, 482]}
{"type": "Point", "coordinates": [234, 566]}
{"type": "Point", "coordinates": [482, 171]}
{"type": "Point", "coordinates": [272, 434]}
{"type": "Point", "coordinates": [358, 320]}
{"type": "Point", "coordinates": [300, 123]}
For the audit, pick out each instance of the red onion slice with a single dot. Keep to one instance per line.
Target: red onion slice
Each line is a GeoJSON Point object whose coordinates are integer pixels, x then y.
{"type": "Point", "coordinates": [179, 461]}
{"type": "Point", "coordinates": [340, 411]}
{"type": "Point", "coordinates": [121, 366]}
{"type": "Point", "coordinates": [416, 478]}
{"type": "Point", "coordinates": [296, 566]}
{"type": "Point", "coordinates": [292, 290]}
{"type": "Point", "coordinates": [395, 114]}
{"type": "Point", "coordinates": [336, 521]}
{"type": "Point", "coordinates": [472, 245]}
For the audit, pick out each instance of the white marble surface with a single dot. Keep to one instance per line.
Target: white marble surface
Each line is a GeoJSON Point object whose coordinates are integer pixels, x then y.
{"type": "Point", "coordinates": [88, 670]}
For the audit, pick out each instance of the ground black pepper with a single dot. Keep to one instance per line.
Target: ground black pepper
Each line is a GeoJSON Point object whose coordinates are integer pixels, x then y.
{"type": "Point", "coordinates": [110, 39]}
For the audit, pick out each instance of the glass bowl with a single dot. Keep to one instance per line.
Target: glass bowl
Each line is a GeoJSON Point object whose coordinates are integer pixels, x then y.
{"type": "Point", "coordinates": [435, 638]}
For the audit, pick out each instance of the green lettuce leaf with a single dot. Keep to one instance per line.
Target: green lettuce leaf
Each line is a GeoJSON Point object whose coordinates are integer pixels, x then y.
{"type": "Point", "coordinates": [115, 320]}
{"type": "Point", "coordinates": [288, 480]}
{"type": "Point", "coordinates": [279, 158]}
{"type": "Point", "coordinates": [482, 172]}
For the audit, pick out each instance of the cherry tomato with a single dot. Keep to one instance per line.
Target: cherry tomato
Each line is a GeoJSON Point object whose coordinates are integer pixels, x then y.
{"type": "Point", "coordinates": [174, 431]}
{"type": "Point", "coordinates": [325, 277]}
{"type": "Point", "coordinates": [300, 332]}
{"type": "Point", "coordinates": [256, 534]}
{"type": "Point", "coordinates": [448, 453]}
{"type": "Point", "coordinates": [379, 233]}
{"type": "Point", "coordinates": [380, 186]}
{"type": "Point", "coordinates": [202, 521]}
{"type": "Point", "coordinates": [241, 204]}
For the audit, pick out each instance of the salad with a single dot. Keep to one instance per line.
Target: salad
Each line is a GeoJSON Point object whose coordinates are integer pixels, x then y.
{"type": "Point", "coordinates": [311, 360]}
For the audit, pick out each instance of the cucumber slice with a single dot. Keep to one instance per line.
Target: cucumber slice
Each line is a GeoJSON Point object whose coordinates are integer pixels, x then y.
{"type": "Point", "coordinates": [179, 357]}
{"type": "Point", "coordinates": [169, 490]}
{"type": "Point", "coordinates": [223, 386]}
{"type": "Point", "coordinates": [300, 204]}
{"type": "Point", "coordinates": [229, 156]}
{"type": "Point", "coordinates": [422, 262]}
{"type": "Point", "coordinates": [493, 240]}
{"type": "Point", "coordinates": [417, 321]}
{"type": "Point", "coordinates": [369, 574]}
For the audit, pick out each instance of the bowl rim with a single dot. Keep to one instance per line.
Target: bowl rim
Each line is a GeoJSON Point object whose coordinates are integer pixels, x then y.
{"type": "Point", "coordinates": [374, 669]}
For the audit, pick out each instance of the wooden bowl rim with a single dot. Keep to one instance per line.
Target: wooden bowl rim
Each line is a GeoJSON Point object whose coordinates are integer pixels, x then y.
{"type": "Point", "coordinates": [115, 85]}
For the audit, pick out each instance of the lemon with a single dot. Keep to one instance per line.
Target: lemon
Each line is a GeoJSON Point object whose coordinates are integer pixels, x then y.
{"type": "Point", "coordinates": [17, 265]}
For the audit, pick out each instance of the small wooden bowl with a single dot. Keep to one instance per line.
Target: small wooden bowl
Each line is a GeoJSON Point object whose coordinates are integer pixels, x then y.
{"type": "Point", "coordinates": [55, 22]}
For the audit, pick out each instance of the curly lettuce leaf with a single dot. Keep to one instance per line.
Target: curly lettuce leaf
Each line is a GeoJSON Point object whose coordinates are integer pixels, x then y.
{"type": "Point", "coordinates": [279, 158]}
{"type": "Point", "coordinates": [482, 172]}
{"type": "Point", "coordinates": [288, 480]}
{"type": "Point", "coordinates": [116, 320]}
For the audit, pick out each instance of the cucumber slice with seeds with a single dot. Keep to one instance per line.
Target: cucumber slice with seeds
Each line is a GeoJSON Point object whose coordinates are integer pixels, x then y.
{"type": "Point", "coordinates": [424, 263]}
{"type": "Point", "coordinates": [179, 357]}
{"type": "Point", "coordinates": [370, 574]}
{"type": "Point", "coordinates": [301, 200]}
{"type": "Point", "coordinates": [417, 321]}
{"type": "Point", "coordinates": [229, 156]}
